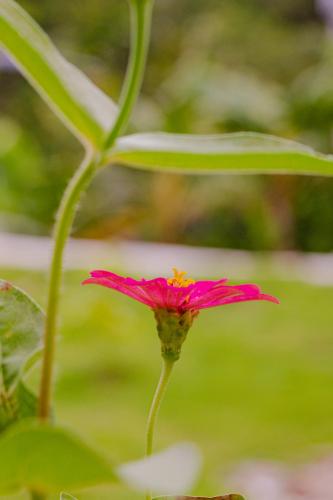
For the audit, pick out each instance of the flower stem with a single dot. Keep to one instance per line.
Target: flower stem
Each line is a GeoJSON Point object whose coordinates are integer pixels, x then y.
{"type": "Point", "coordinates": [155, 406]}
{"type": "Point", "coordinates": [62, 229]}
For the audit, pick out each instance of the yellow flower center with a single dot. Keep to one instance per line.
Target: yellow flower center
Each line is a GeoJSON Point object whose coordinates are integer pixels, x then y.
{"type": "Point", "coordinates": [178, 279]}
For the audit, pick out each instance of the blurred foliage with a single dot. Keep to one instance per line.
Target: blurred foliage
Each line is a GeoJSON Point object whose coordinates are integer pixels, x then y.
{"type": "Point", "coordinates": [215, 66]}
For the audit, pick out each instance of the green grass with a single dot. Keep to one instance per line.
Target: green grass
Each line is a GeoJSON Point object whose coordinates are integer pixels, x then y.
{"type": "Point", "coordinates": [254, 381]}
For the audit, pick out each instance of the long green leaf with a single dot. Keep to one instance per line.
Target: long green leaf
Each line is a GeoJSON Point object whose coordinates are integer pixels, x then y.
{"type": "Point", "coordinates": [21, 327]}
{"type": "Point", "coordinates": [83, 107]}
{"type": "Point", "coordinates": [250, 153]}
{"type": "Point", "coordinates": [49, 459]}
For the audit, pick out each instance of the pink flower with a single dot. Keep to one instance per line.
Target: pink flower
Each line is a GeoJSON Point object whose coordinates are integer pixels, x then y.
{"type": "Point", "coordinates": [179, 294]}
{"type": "Point", "coordinates": [177, 301]}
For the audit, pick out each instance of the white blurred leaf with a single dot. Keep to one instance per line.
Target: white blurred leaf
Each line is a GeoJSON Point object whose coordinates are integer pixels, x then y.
{"type": "Point", "coordinates": [172, 471]}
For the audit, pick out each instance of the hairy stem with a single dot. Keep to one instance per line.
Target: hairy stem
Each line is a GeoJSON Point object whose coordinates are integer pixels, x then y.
{"type": "Point", "coordinates": [62, 229]}
{"type": "Point", "coordinates": [140, 33]}
{"type": "Point", "coordinates": [155, 406]}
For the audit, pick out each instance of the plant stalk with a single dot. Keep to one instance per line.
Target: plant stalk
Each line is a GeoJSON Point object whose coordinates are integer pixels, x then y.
{"type": "Point", "coordinates": [62, 229]}
{"type": "Point", "coordinates": [141, 12]}
{"type": "Point", "coordinates": [155, 406]}
{"type": "Point", "coordinates": [140, 33]}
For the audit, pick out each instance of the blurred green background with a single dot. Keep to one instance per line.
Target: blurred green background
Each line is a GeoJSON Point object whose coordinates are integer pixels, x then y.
{"type": "Point", "coordinates": [255, 379]}
{"type": "Point", "coordinates": [215, 66]}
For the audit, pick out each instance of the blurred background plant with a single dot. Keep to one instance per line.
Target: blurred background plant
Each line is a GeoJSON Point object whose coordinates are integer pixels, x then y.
{"type": "Point", "coordinates": [215, 66]}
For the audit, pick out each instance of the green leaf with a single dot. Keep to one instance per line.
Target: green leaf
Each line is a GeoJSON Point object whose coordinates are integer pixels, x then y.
{"type": "Point", "coordinates": [66, 496]}
{"type": "Point", "coordinates": [73, 97]}
{"type": "Point", "coordinates": [20, 404]}
{"type": "Point", "coordinates": [49, 459]}
{"type": "Point", "coordinates": [21, 328]}
{"type": "Point", "coordinates": [244, 152]}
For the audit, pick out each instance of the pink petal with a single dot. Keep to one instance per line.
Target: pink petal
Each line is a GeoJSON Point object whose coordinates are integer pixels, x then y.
{"type": "Point", "coordinates": [248, 289]}
{"type": "Point", "coordinates": [212, 294]}
{"type": "Point", "coordinates": [133, 292]}
{"type": "Point", "coordinates": [157, 293]}
{"type": "Point", "coordinates": [233, 298]}
{"type": "Point", "coordinates": [199, 290]}
{"type": "Point", "coordinates": [115, 277]}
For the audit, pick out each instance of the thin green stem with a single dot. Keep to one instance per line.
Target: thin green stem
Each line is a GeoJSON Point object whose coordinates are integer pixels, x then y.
{"type": "Point", "coordinates": [141, 12]}
{"type": "Point", "coordinates": [62, 229]}
{"type": "Point", "coordinates": [155, 406]}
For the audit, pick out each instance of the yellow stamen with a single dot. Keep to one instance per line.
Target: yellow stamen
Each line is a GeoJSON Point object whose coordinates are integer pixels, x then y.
{"type": "Point", "coordinates": [178, 279]}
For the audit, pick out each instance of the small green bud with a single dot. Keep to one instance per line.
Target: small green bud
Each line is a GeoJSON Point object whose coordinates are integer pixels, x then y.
{"type": "Point", "coordinates": [172, 330]}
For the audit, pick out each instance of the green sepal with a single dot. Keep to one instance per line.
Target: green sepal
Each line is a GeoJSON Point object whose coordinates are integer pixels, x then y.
{"type": "Point", "coordinates": [172, 328]}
